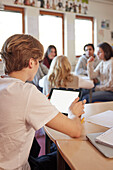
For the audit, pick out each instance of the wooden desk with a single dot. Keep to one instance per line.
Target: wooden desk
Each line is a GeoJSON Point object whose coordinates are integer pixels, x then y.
{"type": "Point", "coordinates": [90, 109]}
{"type": "Point", "coordinates": [82, 155]}
{"type": "Point", "coordinates": [82, 142]}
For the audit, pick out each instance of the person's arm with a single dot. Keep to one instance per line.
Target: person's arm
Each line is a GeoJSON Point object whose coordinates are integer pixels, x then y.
{"type": "Point", "coordinates": [92, 73]}
{"type": "Point", "coordinates": [86, 84]}
{"type": "Point", "coordinates": [81, 68]}
{"type": "Point", "coordinates": [72, 125]}
{"type": "Point", "coordinates": [44, 69]}
{"type": "Point", "coordinates": [109, 82]}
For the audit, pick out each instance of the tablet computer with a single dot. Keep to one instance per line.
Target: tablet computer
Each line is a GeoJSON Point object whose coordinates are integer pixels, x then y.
{"type": "Point", "coordinates": [62, 98]}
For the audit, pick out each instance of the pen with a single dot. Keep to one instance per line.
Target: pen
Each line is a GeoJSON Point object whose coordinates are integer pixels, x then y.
{"type": "Point", "coordinates": [82, 120]}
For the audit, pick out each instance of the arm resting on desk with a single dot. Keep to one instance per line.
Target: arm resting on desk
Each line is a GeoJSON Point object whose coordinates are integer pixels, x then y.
{"type": "Point", "coordinates": [62, 123]}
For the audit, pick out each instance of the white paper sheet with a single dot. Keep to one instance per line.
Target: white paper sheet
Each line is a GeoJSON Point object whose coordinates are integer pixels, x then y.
{"type": "Point", "coordinates": [106, 137]}
{"type": "Point", "coordinates": [103, 119]}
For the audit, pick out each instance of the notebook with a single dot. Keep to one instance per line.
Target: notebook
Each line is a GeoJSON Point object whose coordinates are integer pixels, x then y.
{"type": "Point", "coordinates": [105, 150]}
{"type": "Point", "coordinates": [62, 98]}
{"type": "Point", "coordinates": [106, 138]}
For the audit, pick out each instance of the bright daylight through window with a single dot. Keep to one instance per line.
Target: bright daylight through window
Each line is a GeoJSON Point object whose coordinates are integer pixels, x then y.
{"type": "Point", "coordinates": [50, 32]}
{"type": "Point", "coordinates": [10, 23]}
{"type": "Point", "coordinates": [83, 35]}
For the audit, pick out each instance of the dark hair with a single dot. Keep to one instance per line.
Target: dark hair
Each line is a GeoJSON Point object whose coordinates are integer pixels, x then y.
{"type": "Point", "coordinates": [49, 50]}
{"type": "Point", "coordinates": [89, 45]}
{"type": "Point", "coordinates": [108, 52]}
{"type": "Point", "coordinates": [17, 51]}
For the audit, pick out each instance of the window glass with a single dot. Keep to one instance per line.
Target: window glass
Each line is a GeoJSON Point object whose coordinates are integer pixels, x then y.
{"type": "Point", "coordinates": [10, 23]}
{"type": "Point", "coordinates": [83, 35]}
{"type": "Point", "coordinates": [50, 32]}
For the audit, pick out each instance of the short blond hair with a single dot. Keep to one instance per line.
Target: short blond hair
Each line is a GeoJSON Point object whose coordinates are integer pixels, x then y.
{"type": "Point", "coordinates": [60, 72]}
{"type": "Point", "coordinates": [17, 51]}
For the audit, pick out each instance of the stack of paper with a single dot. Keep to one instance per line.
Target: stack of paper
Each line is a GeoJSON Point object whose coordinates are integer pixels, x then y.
{"type": "Point", "coordinates": [103, 119]}
{"type": "Point", "coordinates": [106, 138]}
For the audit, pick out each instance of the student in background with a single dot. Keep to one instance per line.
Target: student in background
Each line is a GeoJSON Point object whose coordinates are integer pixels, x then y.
{"type": "Point", "coordinates": [81, 67]}
{"type": "Point", "coordinates": [49, 55]}
{"type": "Point", "coordinates": [42, 71]}
{"type": "Point", "coordinates": [24, 109]}
{"type": "Point", "coordinates": [104, 70]}
{"type": "Point", "coordinates": [59, 75]}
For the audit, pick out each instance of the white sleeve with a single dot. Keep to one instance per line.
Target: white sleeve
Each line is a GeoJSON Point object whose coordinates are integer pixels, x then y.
{"type": "Point", "coordinates": [93, 73]}
{"type": "Point", "coordinates": [41, 82]}
{"type": "Point", "coordinates": [86, 84]}
{"type": "Point", "coordinates": [39, 109]}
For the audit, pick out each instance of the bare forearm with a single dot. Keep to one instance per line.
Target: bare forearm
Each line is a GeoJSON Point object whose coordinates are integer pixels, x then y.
{"type": "Point", "coordinates": [71, 127]}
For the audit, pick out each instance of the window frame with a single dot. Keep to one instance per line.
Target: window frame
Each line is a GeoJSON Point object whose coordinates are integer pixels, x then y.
{"type": "Point", "coordinates": [86, 18]}
{"type": "Point", "coordinates": [57, 15]}
{"type": "Point", "coordinates": [17, 9]}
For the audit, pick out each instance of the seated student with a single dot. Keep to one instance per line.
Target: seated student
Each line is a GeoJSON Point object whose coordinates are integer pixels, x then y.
{"type": "Point", "coordinates": [59, 75]}
{"type": "Point", "coordinates": [23, 108]}
{"type": "Point", "coordinates": [42, 71]}
{"type": "Point", "coordinates": [103, 91]}
{"type": "Point", "coordinates": [81, 67]}
{"type": "Point", "coordinates": [49, 55]}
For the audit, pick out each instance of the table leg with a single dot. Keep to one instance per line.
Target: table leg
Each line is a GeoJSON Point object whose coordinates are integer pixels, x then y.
{"type": "Point", "coordinates": [90, 95]}
{"type": "Point", "coordinates": [60, 162]}
{"type": "Point", "coordinates": [47, 144]}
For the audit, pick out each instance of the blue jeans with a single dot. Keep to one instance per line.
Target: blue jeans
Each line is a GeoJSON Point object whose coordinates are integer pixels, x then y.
{"type": "Point", "coordinates": [99, 96]}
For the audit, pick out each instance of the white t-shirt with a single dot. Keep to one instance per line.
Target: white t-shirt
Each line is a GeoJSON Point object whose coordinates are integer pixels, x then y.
{"type": "Point", "coordinates": [23, 109]}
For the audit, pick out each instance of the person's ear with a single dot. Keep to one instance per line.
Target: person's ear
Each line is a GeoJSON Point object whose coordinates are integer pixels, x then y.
{"type": "Point", "coordinates": [31, 63]}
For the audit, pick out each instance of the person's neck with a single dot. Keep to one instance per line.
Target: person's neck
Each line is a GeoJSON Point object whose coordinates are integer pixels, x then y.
{"type": "Point", "coordinates": [19, 75]}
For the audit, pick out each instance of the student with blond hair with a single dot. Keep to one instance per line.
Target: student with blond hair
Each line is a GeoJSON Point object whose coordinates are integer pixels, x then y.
{"type": "Point", "coordinates": [60, 75]}
{"type": "Point", "coordinates": [23, 108]}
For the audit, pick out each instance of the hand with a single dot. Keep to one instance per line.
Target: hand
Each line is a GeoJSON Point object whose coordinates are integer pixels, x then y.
{"type": "Point", "coordinates": [76, 108]}
{"type": "Point", "coordinates": [95, 81]}
{"type": "Point", "coordinates": [91, 59]}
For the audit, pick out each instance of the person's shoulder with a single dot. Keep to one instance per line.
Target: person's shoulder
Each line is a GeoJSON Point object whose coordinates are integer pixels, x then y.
{"type": "Point", "coordinates": [43, 66]}
{"type": "Point", "coordinates": [82, 58]}
{"type": "Point", "coordinates": [75, 77]}
{"type": "Point", "coordinates": [17, 86]}
{"type": "Point", "coordinates": [43, 81]}
{"type": "Point", "coordinates": [112, 59]}
{"type": "Point", "coordinates": [95, 57]}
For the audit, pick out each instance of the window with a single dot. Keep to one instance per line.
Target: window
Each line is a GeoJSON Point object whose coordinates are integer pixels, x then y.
{"type": "Point", "coordinates": [84, 29]}
{"type": "Point", "coordinates": [51, 30]}
{"type": "Point", "coordinates": [11, 22]}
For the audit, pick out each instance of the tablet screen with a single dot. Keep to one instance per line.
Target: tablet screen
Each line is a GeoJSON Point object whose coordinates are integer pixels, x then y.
{"type": "Point", "coordinates": [62, 99]}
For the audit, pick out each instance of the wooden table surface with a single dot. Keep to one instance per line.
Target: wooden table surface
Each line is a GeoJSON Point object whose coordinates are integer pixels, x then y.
{"type": "Point", "coordinates": [79, 153]}
{"type": "Point", "coordinates": [90, 109]}
{"type": "Point", "coordinates": [82, 155]}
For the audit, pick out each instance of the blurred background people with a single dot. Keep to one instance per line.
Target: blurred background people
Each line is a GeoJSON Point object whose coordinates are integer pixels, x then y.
{"type": "Point", "coordinates": [60, 75]}
{"type": "Point", "coordinates": [103, 91]}
{"type": "Point", "coordinates": [49, 55]}
{"type": "Point", "coordinates": [81, 67]}
{"type": "Point", "coordinates": [42, 71]}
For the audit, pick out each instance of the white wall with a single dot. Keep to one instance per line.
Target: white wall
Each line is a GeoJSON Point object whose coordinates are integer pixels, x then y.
{"type": "Point", "coordinates": [97, 10]}
{"type": "Point", "coordinates": [102, 12]}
